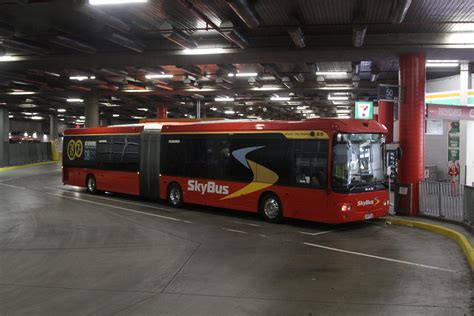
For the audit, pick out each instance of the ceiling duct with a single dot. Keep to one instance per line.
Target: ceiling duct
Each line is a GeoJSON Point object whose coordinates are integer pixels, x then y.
{"type": "Point", "coordinates": [233, 35]}
{"type": "Point", "coordinates": [104, 18]}
{"type": "Point", "coordinates": [126, 42]}
{"type": "Point", "coordinates": [296, 34]}
{"type": "Point", "coordinates": [299, 77]}
{"type": "Point", "coordinates": [69, 42]}
{"type": "Point", "coordinates": [177, 37]}
{"type": "Point", "coordinates": [224, 83]}
{"type": "Point", "coordinates": [191, 69]}
{"type": "Point", "coordinates": [24, 46]}
{"type": "Point", "coordinates": [399, 10]}
{"type": "Point", "coordinates": [358, 35]}
{"type": "Point", "coordinates": [245, 12]}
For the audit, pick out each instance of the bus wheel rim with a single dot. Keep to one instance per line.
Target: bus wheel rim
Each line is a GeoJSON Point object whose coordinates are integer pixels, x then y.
{"type": "Point", "coordinates": [174, 196]}
{"type": "Point", "coordinates": [271, 208]}
{"type": "Point", "coordinates": [90, 184]}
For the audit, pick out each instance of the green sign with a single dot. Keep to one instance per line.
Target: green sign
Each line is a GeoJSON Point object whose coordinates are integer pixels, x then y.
{"type": "Point", "coordinates": [364, 110]}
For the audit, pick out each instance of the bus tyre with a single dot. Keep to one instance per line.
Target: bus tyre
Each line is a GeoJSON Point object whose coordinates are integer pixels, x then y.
{"type": "Point", "coordinates": [175, 195]}
{"type": "Point", "coordinates": [91, 184]}
{"type": "Point", "coordinates": [270, 208]}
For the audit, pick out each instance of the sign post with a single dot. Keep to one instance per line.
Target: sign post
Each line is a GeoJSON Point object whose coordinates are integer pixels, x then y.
{"type": "Point", "coordinates": [364, 110]}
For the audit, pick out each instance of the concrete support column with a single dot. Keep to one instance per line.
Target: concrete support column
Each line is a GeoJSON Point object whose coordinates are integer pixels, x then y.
{"type": "Point", "coordinates": [198, 109]}
{"type": "Point", "coordinates": [53, 127]}
{"type": "Point", "coordinates": [412, 122]}
{"type": "Point", "coordinates": [466, 128]}
{"type": "Point", "coordinates": [92, 111]}
{"type": "Point", "coordinates": [4, 137]}
{"type": "Point", "coordinates": [162, 111]}
{"type": "Point", "coordinates": [385, 117]}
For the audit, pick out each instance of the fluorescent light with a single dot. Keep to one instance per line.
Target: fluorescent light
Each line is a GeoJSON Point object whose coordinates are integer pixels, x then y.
{"type": "Point", "coordinates": [227, 99]}
{"type": "Point", "coordinates": [61, 119]}
{"type": "Point", "coordinates": [280, 99]}
{"type": "Point", "coordinates": [203, 51]}
{"type": "Point", "coordinates": [266, 88]}
{"type": "Point", "coordinates": [115, 115]}
{"type": "Point", "coordinates": [340, 102]}
{"type": "Point", "coordinates": [21, 92]}
{"type": "Point", "coordinates": [201, 90]}
{"type": "Point", "coordinates": [36, 117]}
{"type": "Point", "coordinates": [110, 105]}
{"type": "Point", "coordinates": [246, 74]}
{"type": "Point", "coordinates": [61, 110]}
{"type": "Point", "coordinates": [82, 117]}
{"type": "Point", "coordinates": [136, 90]}
{"type": "Point", "coordinates": [442, 64]}
{"type": "Point", "coordinates": [52, 74]}
{"type": "Point", "coordinates": [10, 116]}
{"type": "Point", "coordinates": [76, 100]}
{"type": "Point", "coordinates": [336, 88]}
{"type": "Point", "coordinates": [102, 2]}
{"type": "Point", "coordinates": [331, 73]}
{"type": "Point", "coordinates": [229, 112]}
{"type": "Point", "coordinates": [138, 117]}
{"type": "Point", "coordinates": [159, 76]}
{"type": "Point", "coordinates": [463, 27]}
{"type": "Point", "coordinates": [337, 98]}
{"type": "Point", "coordinates": [213, 109]}
{"type": "Point", "coordinates": [142, 109]}
{"type": "Point", "coordinates": [78, 78]}
{"type": "Point", "coordinates": [9, 58]}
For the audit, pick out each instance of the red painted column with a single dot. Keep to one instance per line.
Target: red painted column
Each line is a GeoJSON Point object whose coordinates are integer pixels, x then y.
{"type": "Point", "coordinates": [385, 117]}
{"type": "Point", "coordinates": [161, 112]}
{"type": "Point", "coordinates": [412, 122]}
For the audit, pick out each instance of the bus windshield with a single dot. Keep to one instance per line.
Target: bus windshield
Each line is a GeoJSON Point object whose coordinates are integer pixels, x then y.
{"type": "Point", "coordinates": [358, 162]}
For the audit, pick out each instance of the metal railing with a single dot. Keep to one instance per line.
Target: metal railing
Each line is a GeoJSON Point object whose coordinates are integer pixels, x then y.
{"type": "Point", "coordinates": [443, 199]}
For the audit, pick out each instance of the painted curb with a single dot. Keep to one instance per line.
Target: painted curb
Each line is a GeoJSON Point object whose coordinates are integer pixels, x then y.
{"type": "Point", "coordinates": [461, 240]}
{"type": "Point", "coordinates": [26, 166]}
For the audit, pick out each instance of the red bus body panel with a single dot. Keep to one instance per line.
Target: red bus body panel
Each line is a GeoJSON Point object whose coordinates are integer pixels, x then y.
{"type": "Point", "coordinates": [106, 180]}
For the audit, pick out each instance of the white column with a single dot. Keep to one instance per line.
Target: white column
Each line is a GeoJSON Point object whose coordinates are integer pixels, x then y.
{"type": "Point", "coordinates": [466, 160]}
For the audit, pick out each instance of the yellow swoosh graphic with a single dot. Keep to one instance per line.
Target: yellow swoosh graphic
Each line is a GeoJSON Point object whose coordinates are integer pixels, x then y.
{"type": "Point", "coordinates": [262, 178]}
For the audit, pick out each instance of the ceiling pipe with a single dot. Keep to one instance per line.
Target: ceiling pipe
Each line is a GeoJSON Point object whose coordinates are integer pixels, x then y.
{"type": "Point", "coordinates": [73, 44]}
{"type": "Point", "coordinates": [399, 10]}
{"type": "Point", "coordinates": [238, 39]}
{"type": "Point", "coordinates": [245, 12]}
{"type": "Point", "coordinates": [177, 37]}
{"type": "Point", "coordinates": [232, 36]}
{"type": "Point", "coordinates": [299, 77]}
{"type": "Point", "coordinates": [126, 42]}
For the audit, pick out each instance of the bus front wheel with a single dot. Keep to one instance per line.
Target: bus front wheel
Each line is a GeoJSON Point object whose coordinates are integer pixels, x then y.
{"type": "Point", "coordinates": [91, 184]}
{"type": "Point", "coordinates": [270, 208]}
{"type": "Point", "coordinates": [175, 195]}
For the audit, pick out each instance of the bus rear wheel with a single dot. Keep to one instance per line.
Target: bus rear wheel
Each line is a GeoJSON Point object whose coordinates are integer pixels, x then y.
{"type": "Point", "coordinates": [175, 195]}
{"type": "Point", "coordinates": [270, 208]}
{"type": "Point", "coordinates": [91, 184]}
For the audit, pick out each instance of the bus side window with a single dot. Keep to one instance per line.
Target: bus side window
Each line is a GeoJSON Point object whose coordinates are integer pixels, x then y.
{"type": "Point", "coordinates": [310, 159]}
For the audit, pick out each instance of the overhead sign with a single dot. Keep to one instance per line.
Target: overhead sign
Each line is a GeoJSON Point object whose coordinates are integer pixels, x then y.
{"type": "Point", "coordinates": [388, 93]}
{"type": "Point", "coordinates": [364, 110]}
{"type": "Point", "coordinates": [450, 112]}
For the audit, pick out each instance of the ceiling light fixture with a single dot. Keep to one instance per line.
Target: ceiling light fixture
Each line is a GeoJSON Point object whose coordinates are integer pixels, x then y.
{"type": "Point", "coordinates": [159, 76]}
{"type": "Point", "coordinates": [74, 100]}
{"type": "Point", "coordinates": [36, 118]}
{"type": "Point", "coordinates": [61, 110]}
{"type": "Point", "coordinates": [142, 109]}
{"type": "Point", "coordinates": [9, 58]}
{"type": "Point", "coordinates": [115, 115]}
{"type": "Point", "coordinates": [246, 74]}
{"type": "Point", "coordinates": [229, 112]}
{"type": "Point", "coordinates": [226, 99]}
{"type": "Point", "coordinates": [21, 92]}
{"type": "Point", "coordinates": [203, 51]}
{"type": "Point", "coordinates": [337, 98]}
{"type": "Point", "coordinates": [280, 99]}
{"type": "Point", "coordinates": [105, 2]}
{"type": "Point", "coordinates": [331, 73]}
{"type": "Point", "coordinates": [435, 64]}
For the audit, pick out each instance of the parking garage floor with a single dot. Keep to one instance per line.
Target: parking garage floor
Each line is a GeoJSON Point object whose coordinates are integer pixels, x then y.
{"type": "Point", "coordinates": [64, 251]}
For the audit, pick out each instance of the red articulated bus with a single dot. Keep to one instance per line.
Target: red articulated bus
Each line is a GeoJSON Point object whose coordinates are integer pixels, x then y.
{"type": "Point", "coordinates": [323, 170]}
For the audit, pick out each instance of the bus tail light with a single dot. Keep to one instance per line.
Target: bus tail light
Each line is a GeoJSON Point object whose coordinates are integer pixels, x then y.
{"type": "Point", "coordinates": [346, 207]}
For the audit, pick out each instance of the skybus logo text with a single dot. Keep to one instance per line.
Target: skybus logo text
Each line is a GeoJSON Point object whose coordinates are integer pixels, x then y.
{"type": "Point", "coordinates": [208, 187]}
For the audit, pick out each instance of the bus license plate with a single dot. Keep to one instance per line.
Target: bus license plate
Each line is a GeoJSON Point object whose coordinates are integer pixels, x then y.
{"type": "Point", "coordinates": [369, 216]}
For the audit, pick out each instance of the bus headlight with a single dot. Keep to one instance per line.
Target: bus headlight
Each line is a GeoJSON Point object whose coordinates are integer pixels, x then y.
{"type": "Point", "coordinates": [346, 207]}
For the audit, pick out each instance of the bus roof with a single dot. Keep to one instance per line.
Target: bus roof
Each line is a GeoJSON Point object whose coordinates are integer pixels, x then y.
{"type": "Point", "coordinates": [341, 125]}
